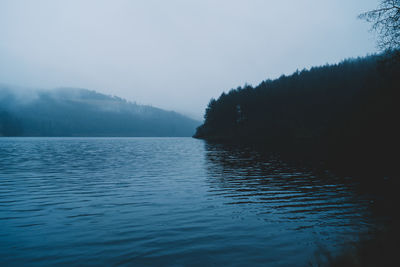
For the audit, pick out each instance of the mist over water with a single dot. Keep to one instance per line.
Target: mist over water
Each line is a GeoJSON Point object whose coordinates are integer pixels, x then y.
{"type": "Point", "coordinates": [174, 55]}
{"type": "Point", "coordinates": [167, 201]}
{"type": "Point", "coordinates": [81, 112]}
{"type": "Point", "coordinates": [109, 176]}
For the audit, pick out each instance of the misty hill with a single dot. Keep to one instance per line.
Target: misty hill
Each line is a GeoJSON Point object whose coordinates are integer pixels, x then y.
{"type": "Point", "coordinates": [80, 112]}
{"type": "Point", "coordinates": [345, 112]}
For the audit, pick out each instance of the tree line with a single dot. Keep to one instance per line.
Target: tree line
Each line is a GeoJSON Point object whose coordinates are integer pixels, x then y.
{"type": "Point", "coordinates": [347, 110]}
{"type": "Point", "coordinates": [80, 112]}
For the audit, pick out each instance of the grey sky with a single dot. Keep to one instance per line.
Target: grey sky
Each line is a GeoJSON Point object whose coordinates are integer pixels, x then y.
{"type": "Point", "coordinates": [174, 54]}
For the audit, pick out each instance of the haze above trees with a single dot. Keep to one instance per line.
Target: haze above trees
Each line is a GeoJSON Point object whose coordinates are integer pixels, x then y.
{"type": "Point", "coordinates": [80, 112]}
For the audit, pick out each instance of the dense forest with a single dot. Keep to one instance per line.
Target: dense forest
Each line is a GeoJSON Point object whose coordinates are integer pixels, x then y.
{"type": "Point", "coordinates": [80, 112]}
{"type": "Point", "coordinates": [347, 112]}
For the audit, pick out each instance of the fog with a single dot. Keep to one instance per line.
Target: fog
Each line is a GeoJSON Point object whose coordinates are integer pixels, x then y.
{"type": "Point", "coordinates": [174, 54]}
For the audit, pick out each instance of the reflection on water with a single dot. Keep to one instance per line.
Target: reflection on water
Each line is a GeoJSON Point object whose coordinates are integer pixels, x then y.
{"type": "Point", "coordinates": [285, 192]}
{"type": "Point", "coordinates": [166, 201]}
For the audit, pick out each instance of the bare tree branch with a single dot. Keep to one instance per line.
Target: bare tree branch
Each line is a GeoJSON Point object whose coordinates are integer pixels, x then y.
{"type": "Point", "coordinates": [386, 23]}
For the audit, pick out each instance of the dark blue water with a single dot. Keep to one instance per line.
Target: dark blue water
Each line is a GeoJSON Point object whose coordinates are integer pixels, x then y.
{"type": "Point", "coordinates": [166, 202]}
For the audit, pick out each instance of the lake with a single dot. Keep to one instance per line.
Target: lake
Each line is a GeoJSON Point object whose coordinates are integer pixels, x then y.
{"type": "Point", "coordinates": [167, 202]}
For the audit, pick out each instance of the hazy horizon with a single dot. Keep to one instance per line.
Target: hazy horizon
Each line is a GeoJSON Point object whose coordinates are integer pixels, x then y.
{"type": "Point", "coordinates": [174, 55]}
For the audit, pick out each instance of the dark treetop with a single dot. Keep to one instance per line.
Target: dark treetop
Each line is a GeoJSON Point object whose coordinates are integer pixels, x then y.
{"type": "Point", "coordinates": [346, 112]}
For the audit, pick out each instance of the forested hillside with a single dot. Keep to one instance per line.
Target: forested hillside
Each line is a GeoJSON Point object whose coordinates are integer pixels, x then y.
{"type": "Point", "coordinates": [347, 111]}
{"type": "Point", "coordinates": [80, 112]}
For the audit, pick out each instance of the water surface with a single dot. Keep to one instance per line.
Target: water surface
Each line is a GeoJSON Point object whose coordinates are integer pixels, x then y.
{"type": "Point", "coordinates": [166, 201]}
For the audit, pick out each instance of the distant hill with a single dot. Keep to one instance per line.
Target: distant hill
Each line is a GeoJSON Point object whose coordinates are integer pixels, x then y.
{"type": "Point", "coordinates": [80, 112]}
{"type": "Point", "coordinates": [344, 112]}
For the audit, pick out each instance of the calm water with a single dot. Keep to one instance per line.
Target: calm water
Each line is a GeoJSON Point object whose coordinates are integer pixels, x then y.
{"type": "Point", "coordinates": [166, 201]}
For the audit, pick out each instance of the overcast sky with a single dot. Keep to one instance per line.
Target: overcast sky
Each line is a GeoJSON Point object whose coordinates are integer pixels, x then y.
{"type": "Point", "coordinates": [174, 54]}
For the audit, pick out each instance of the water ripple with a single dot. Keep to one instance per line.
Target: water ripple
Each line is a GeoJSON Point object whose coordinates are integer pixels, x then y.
{"type": "Point", "coordinates": [166, 201]}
